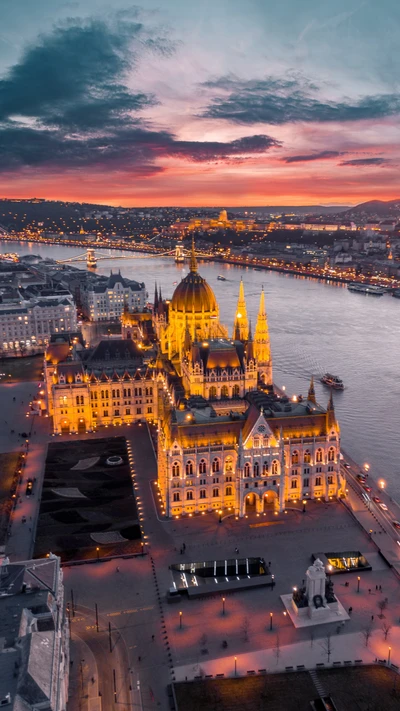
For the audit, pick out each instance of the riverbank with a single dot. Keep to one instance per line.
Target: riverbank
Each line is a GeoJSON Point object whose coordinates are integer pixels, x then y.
{"type": "Point", "coordinates": [323, 275]}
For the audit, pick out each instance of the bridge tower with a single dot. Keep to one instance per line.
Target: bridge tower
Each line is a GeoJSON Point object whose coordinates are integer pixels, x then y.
{"type": "Point", "coordinates": [179, 255]}
{"type": "Point", "coordinates": [91, 260]}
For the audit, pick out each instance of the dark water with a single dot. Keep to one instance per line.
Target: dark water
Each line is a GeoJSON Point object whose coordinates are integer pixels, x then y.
{"type": "Point", "coordinates": [315, 327]}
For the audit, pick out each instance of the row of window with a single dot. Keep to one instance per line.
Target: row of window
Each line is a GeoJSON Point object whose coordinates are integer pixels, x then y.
{"type": "Point", "coordinates": [202, 469]}
{"type": "Point", "coordinates": [127, 392]}
{"type": "Point", "coordinates": [202, 494]}
{"type": "Point", "coordinates": [224, 391]}
{"type": "Point", "coordinates": [319, 456]}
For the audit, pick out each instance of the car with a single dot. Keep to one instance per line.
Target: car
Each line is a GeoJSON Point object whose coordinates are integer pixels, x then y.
{"type": "Point", "coordinates": [367, 488]}
{"type": "Point", "coordinates": [383, 507]}
{"type": "Point", "coordinates": [346, 465]}
{"type": "Point", "coordinates": [396, 524]}
{"type": "Point", "coordinates": [376, 499]}
{"type": "Point", "coordinates": [29, 487]}
{"type": "Point", "coordinates": [361, 477]}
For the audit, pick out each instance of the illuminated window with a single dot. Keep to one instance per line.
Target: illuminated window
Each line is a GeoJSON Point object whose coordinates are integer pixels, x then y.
{"type": "Point", "coordinates": [307, 457]}
{"type": "Point", "coordinates": [274, 467]}
{"type": "Point", "coordinates": [319, 456]}
{"type": "Point", "coordinates": [295, 457]}
{"type": "Point", "coordinates": [228, 491]}
{"type": "Point", "coordinates": [318, 481]}
{"type": "Point", "coordinates": [175, 469]}
{"type": "Point", "coordinates": [331, 455]}
{"type": "Point", "coordinates": [294, 483]}
{"type": "Point", "coordinates": [213, 392]}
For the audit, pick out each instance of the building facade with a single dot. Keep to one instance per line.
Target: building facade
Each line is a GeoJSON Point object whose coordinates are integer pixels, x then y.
{"type": "Point", "coordinates": [28, 325]}
{"type": "Point", "coordinates": [107, 301]}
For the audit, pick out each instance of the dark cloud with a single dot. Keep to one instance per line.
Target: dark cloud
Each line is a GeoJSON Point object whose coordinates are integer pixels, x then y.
{"type": "Point", "coordinates": [280, 101]}
{"type": "Point", "coordinates": [67, 104]}
{"type": "Point", "coordinates": [323, 155]}
{"type": "Point", "coordinates": [366, 161]}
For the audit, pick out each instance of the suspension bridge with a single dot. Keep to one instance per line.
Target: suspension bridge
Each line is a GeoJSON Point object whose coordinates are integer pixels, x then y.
{"type": "Point", "coordinates": [92, 256]}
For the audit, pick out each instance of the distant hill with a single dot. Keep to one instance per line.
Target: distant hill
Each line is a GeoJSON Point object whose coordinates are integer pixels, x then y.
{"type": "Point", "coordinates": [380, 208]}
{"type": "Point", "coordinates": [293, 209]}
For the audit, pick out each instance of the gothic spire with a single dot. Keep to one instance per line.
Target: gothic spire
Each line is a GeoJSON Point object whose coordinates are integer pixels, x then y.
{"type": "Point", "coordinates": [250, 345]}
{"type": "Point", "coordinates": [262, 349]}
{"type": "Point", "coordinates": [330, 411]}
{"type": "Point", "coordinates": [193, 260]}
{"type": "Point", "coordinates": [311, 392]}
{"type": "Point", "coordinates": [240, 459]}
{"type": "Point", "coordinates": [241, 324]}
{"type": "Point", "coordinates": [155, 296]}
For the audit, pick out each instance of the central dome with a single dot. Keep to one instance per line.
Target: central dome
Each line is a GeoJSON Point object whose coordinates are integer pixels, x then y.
{"type": "Point", "coordinates": [194, 294]}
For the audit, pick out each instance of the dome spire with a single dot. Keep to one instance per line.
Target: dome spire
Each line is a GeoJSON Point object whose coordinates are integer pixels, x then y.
{"type": "Point", "coordinates": [193, 260]}
{"type": "Point", "coordinates": [311, 392]}
{"type": "Point", "coordinates": [262, 349]}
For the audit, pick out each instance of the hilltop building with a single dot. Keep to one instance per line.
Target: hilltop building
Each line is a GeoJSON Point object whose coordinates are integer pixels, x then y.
{"type": "Point", "coordinates": [228, 439]}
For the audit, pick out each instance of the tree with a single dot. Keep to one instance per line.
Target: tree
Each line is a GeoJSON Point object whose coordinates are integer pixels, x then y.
{"type": "Point", "coordinates": [382, 604]}
{"type": "Point", "coordinates": [367, 633]}
{"type": "Point", "coordinates": [277, 648]}
{"type": "Point", "coordinates": [327, 646]}
{"type": "Point", "coordinates": [246, 629]}
{"type": "Point", "coordinates": [386, 627]}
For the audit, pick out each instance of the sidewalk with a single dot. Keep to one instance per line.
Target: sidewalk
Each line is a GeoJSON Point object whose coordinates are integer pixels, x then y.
{"type": "Point", "coordinates": [83, 692]}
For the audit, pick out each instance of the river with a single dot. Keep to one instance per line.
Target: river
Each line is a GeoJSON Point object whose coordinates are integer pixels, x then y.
{"type": "Point", "coordinates": [315, 327]}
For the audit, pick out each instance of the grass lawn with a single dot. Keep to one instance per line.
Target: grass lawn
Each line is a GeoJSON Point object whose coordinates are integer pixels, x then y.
{"type": "Point", "coordinates": [21, 370]}
{"type": "Point", "coordinates": [8, 464]}
{"type": "Point", "coordinates": [365, 688]}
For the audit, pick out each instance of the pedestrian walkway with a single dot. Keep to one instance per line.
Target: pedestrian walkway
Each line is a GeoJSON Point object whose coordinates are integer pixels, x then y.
{"type": "Point", "coordinates": [84, 678]}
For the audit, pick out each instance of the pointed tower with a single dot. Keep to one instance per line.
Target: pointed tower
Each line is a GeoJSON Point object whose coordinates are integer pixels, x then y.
{"type": "Point", "coordinates": [311, 392]}
{"type": "Point", "coordinates": [262, 349]}
{"type": "Point", "coordinates": [193, 260]}
{"type": "Point", "coordinates": [155, 297]}
{"type": "Point", "coordinates": [250, 345]}
{"type": "Point", "coordinates": [241, 324]}
{"type": "Point", "coordinates": [330, 413]}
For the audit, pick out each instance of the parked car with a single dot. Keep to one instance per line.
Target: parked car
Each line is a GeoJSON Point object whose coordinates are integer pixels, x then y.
{"type": "Point", "coordinates": [383, 507]}
{"type": "Point", "coordinates": [29, 487]}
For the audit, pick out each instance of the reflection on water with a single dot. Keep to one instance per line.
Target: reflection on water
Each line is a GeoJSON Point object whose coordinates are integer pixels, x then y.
{"type": "Point", "coordinates": [315, 327]}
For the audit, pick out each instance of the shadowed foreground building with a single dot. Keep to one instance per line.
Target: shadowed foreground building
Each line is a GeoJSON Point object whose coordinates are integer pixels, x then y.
{"type": "Point", "coordinates": [34, 643]}
{"type": "Point", "coordinates": [227, 438]}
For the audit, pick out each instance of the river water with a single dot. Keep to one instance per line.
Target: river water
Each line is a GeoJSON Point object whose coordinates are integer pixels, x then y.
{"type": "Point", "coordinates": [315, 327]}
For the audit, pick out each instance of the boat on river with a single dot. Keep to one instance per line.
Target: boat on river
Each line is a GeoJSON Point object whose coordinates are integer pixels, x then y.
{"type": "Point", "coordinates": [332, 381]}
{"type": "Point", "coordinates": [366, 289]}
{"type": "Point", "coordinates": [221, 278]}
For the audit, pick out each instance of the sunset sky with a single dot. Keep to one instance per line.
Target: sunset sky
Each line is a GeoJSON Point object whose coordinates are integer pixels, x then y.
{"type": "Point", "coordinates": [218, 102]}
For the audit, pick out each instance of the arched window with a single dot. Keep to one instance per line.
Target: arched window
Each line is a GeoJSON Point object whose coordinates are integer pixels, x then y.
{"type": "Point", "coordinates": [203, 494]}
{"type": "Point", "coordinates": [318, 481]}
{"type": "Point", "coordinates": [228, 491]}
{"type": "Point", "coordinates": [274, 467]}
{"type": "Point", "coordinates": [77, 399]}
{"type": "Point", "coordinates": [256, 442]}
{"type": "Point", "coordinates": [331, 454]}
{"type": "Point", "coordinates": [106, 393]}
{"type": "Point", "coordinates": [177, 496]}
{"type": "Point", "coordinates": [236, 391]}
{"type": "Point", "coordinates": [215, 493]}
{"type": "Point", "coordinates": [307, 457]}
{"type": "Point", "coordinates": [319, 456]}
{"type": "Point", "coordinates": [256, 469]}
{"type": "Point", "coordinates": [265, 441]}
{"type": "Point", "coordinates": [189, 468]}
{"type": "Point", "coordinates": [189, 495]}
{"type": "Point", "coordinates": [215, 464]}
{"type": "Point", "coordinates": [247, 469]}
{"type": "Point", "coordinates": [228, 464]}
{"type": "Point", "coordinates": [202, 466]}
{"type": "Point", "coordinates": [265, 468]}
{"type": "Point", "coordinates": [224, 391]}
{"type": "Point", "coordinates": [294, 483]}
{"type": "Point", "coordinates": [295, 457]}
{"type": "Point", "coordinates": [175, 469]}
{"type": "Point", "coordinates": [102, 394]}
{"type": "Point", "coordinates": [213, 392]}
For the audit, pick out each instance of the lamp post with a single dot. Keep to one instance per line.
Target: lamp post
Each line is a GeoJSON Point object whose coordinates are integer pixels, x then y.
{"type": "Point", "coordinates": [330, 568]}
{"type": "Point", "coordinates": [235, 665]}
{"type": "Point", "coordinates": [220, 517]}
{"type": "Point", "coordinates": [180, 620]}
{"type": "Point", "coordinates": [358, 584]}
{"type": "Point", "coordinates": [389, 651]}
{"type": "Point", "coordinates": [270, 620]}
{"type": "Point", "coordinates": [97, 552]}
{"type": "Point", "coordinates": [304, 505]}
{"type": "Point", "coordinates": [223, 606]}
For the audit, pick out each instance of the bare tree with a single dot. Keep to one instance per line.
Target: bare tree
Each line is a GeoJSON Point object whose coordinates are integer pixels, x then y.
{"type": "Point", "coordinates": [246, 629]}
{"type": "Point", "coordinates": [386, 627]}
{"type": "Point", "coordinates": [367, 633]}
{"type": "Point", "coordinates": [327, 646]}
{"type": "Point", "coordinates": [382, 604]}
{"type": "Point", "coordinates": [277, 648]}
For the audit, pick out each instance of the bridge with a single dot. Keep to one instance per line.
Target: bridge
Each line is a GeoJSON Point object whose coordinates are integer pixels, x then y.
{"type": "Point", "coordinates": [92, 256]}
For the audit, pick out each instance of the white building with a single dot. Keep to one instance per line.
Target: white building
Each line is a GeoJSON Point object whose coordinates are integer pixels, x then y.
{"type": "Point", "coordinates": [107, 301]}
{"type": "Point", "coordinates": [28, 325]}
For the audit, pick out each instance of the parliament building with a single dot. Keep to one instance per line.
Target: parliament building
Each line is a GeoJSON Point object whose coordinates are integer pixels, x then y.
{"type": "Point", "coordinates": [228, 439]}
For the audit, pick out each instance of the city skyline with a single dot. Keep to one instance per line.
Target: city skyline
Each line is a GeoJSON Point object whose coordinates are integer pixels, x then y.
{"type": "Point", "coordinates": [199, 106]}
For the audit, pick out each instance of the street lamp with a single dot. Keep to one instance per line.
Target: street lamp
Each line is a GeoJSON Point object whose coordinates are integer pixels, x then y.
{"type": "Point", "coordinates": [180, 620]}
{"type": "Point", "coordinates": [97, 552]}
{"type": "Point", "coordinates": [389, 651]}
{"type": "Point", "coordinates": [330, 568]}
{"type": "Point", "coordinates": [235, 664]}
{"type": "Point", "coordinates": [223, 606]}
{"type": "Point", "coordinates": [304, 505]}
{"type": "Point", "coordinates": [270, 620]}
{"type": "Point", "coordinates": [220, 517]}
{"type": "Point", "coordinates": [358, 584]}
{"type": "Point", "coordinates": [382, 484]}
{"type": "Point", "coordinates": [366, 467]}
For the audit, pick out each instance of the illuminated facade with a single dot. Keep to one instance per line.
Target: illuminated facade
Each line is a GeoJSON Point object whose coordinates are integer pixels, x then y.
{"type": "Point", "coordinates": [228, 440]}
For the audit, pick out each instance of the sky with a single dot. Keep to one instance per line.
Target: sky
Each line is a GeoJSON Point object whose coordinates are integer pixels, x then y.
{"type": "Point", "coordinates": [211, 103]}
